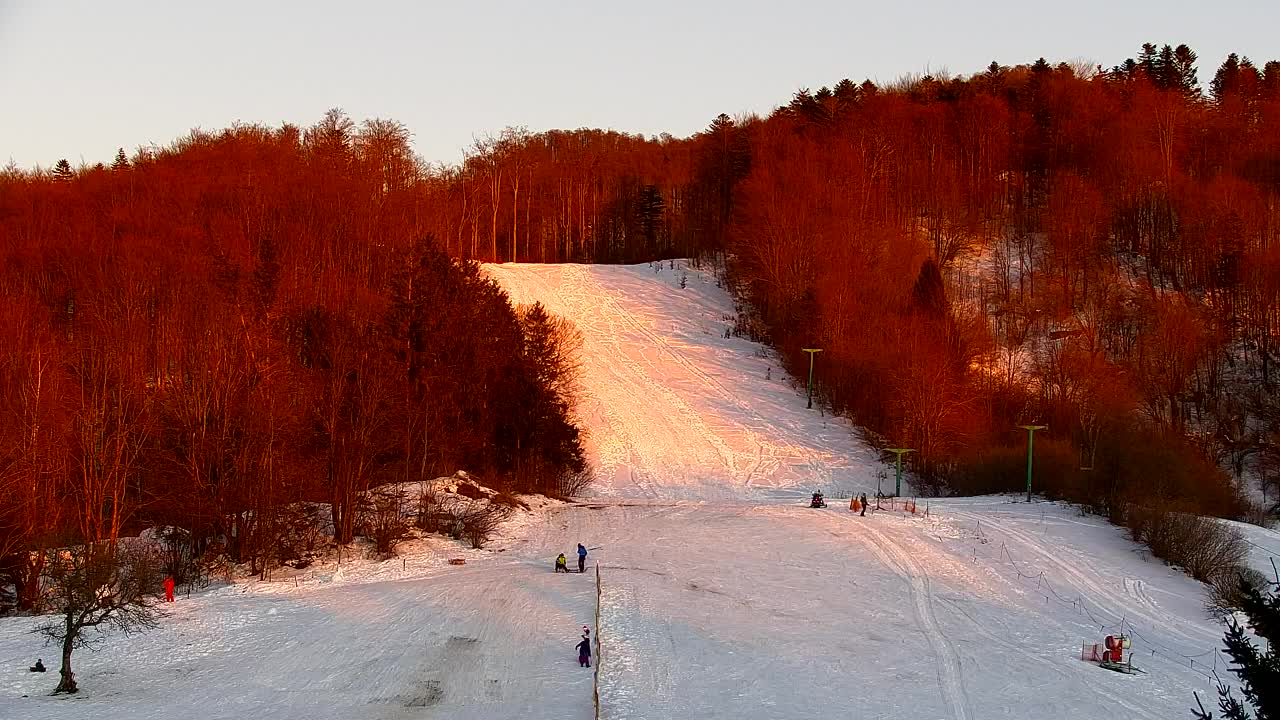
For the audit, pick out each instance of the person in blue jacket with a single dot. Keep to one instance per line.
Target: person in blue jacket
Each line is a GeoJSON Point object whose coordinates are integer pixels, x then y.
{"type": "Point", "coordinates": [582, 558]}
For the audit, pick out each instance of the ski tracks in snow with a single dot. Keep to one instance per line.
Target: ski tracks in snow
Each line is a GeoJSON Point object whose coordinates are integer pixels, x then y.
{"type": "Point", "coordinates": [950, 671]}
{"type": "Point", "coordinates": [676, 416]}
{"type": "Point", "coordinates": [1091, 589]}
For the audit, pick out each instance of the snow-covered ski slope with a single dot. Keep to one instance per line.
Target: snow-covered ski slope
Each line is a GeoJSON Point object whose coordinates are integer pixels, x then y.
{"type": "Point", "coordinates": [722, 595]}
{"type": "Point", "coordinates": [418, 639]}
{"type": "Point", "coordinates": [675, 410]}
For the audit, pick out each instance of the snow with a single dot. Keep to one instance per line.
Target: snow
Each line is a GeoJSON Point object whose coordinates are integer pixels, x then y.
{"type": "Point", "coordinates": [721, 594]}
{"type": "Point", "coordinates": [673, 408]}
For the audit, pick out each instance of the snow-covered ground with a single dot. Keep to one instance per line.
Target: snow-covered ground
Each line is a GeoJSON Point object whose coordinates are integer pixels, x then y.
{"type": "Point", "coordinates": [675, 410]}
{"type": "Point", "coordinates": [721, 596]}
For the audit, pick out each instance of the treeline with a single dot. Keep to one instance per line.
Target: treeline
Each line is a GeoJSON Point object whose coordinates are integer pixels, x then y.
{"type": "Point", "coordinates": [202, 336]}
{"type": "Point", "coordinates": [1093, 250]}
{"type": "Point", "coordinates": [1090, 249]}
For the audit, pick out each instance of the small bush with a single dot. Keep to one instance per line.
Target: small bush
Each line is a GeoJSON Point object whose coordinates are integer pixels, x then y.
{"type": "Point", "coordinates": [179, 555]}
{"type": "Point", "coordinates": [480, 521]}
{"type": "Point", "coordinates": [573, 483]}
{"type": "Point", "coordinates": [1201, 546]}
{"type": "Point", "coordinates": [1208, 546]}
{"type": "Point", "coordinates": [1227, 589]}
{"type": "Point", "coordinates": [383, 519]}
{"type": "Point", "coordinates": [431, 516]}
{"type": "Point", "coordinates": [296, 531]}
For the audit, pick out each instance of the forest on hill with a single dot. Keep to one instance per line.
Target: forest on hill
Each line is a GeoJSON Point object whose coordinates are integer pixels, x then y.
{"type": "Point", "coordinates": [1090, 249]}
{"type": "Point", "coordinates": [200, 334]}
{"type": "Point", "coordinates": [204, 337]}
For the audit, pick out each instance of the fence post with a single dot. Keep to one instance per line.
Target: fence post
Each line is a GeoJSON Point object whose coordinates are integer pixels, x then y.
{"type": "Point", "coordinates": [595, 678]}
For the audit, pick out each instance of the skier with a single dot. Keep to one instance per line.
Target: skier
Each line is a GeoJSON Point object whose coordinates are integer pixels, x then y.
{"type": "Point", "coordinates": [38, 667]}
{"type": "Point", "coordinates": [584, 652]}
{"type": "Point", "coordinates": [582, 558]}
{"type": "Point", "coordinates": [168, 589]}
{"type": "Point", "coordinates": [562, 565]}
{"type": "Point", "coordinates": [864, 504]}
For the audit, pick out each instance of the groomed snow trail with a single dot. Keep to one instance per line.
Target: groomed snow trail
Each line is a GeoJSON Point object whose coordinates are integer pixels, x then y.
{"type": "Point", "coordinates": [916, 577]}
{"type": "Point", "coordinates": [676, 411]}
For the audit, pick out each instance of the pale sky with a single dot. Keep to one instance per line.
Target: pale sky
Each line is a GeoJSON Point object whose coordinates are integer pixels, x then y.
{"type": "Point", "coordinates": [79, 79]}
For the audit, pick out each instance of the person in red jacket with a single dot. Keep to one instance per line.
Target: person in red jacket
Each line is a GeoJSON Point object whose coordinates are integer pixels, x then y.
{"type": "Point", "coordinates": [168, 589]}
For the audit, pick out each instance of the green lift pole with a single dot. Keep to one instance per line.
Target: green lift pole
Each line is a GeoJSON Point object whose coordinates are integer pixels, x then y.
{"type": "Point", "coordinates": [812, 352]}
{"type": "Point", "coordinates": [897, 491]}
{"type": "Point", "coordinates": [1031, 443]}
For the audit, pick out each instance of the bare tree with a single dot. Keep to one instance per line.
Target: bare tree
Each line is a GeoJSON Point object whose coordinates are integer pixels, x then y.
{"type": "Point", "coordinates": [98, 584]}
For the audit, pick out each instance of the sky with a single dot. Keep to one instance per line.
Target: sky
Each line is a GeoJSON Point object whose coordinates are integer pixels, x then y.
{"type": "Point", "coordinates": [81, 79]}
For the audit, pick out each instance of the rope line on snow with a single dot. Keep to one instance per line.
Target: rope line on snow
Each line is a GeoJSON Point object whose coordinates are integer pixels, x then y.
{"type": "Point", "coordinates": [595, 676]}
{"type": "Point", "coordinates": [1081, 603]}
{"type": "Point", "coordinates": [1266, 550]}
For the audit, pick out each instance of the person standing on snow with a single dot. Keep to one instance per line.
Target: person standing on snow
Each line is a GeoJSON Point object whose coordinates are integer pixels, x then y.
{"type": "Point", "coordinates": [864, 504]}
{"type": "Point", "coordinates": [584, 652]}
{"type": "Point", "coordinates": [582, 558]}
{"type": "Point", "coordinates": [168, 589]}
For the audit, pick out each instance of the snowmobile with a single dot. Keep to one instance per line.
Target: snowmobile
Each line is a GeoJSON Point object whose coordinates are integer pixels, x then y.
{"type": "Point", "coordinates": [817, 501]}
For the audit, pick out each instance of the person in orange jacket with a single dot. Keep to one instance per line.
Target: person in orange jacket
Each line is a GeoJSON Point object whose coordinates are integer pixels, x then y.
{"type": "Point", "coordinates": [168, 589]}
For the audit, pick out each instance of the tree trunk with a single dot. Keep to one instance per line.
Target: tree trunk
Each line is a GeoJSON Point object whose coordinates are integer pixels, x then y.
{"type": "Point", "coordinates": [68, 682]}
{"type": "Point", "coordinates": [515, 211]}
{"type": "Point", "coordinates": [27, 582]}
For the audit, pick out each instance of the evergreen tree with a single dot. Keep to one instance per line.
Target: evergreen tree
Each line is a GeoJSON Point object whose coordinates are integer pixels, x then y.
{"type": "Point", "coordinates": [929, 295]}
{"type": "Point", "coordinates": [1183, 71]}
{"type": "Point", "coordinates": [1165, 74]}
{"type": "Point", "coordinates": [724, 159]}
{"type": "Point", "coordinates": [1259, 672]}
{"type": "Point", "coordinates": [649, 209]}
{"type": "Point", "coordinates": [1227, 79]}
{"type": "Point", "coordinates": [62, 171]}
{"type": "Point", "coordinates": [121, 162]}
{"type": "Point", "coordinates": [846, 92]}
{"type": "Point", "coordinates": [1147, 61]}
{"type": "Point", "coordinates": [1271, 80]}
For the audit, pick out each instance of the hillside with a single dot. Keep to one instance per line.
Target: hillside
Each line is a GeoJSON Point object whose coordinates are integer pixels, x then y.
{"type": "Point", "coordinates": [721, 596]}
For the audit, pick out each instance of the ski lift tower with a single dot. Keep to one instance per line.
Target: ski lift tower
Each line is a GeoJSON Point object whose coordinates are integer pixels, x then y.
{"type": "Point", "coordinates": [1031, 443]}
{"type": "Point", "coordinates": [812, 352]}
{"type": "Point", "coordinates": [897, 491]}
